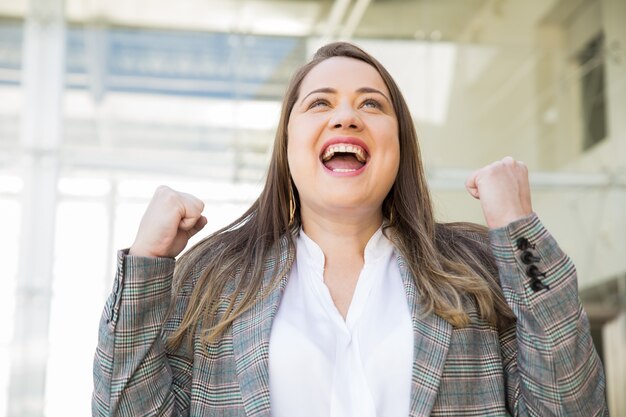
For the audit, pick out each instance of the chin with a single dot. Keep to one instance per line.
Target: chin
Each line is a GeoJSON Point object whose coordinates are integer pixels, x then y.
{"type": "Point", "coordinates": [350, 206]}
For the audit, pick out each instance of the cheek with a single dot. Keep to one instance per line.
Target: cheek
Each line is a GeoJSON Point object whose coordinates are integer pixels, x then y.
{"type": "Point", "coordinates": [294, 141]}
{"type": "Point", "coordinates": [393, 159]}
{"type": "Point", "coordinates": [392, 146]}
{"type": "Point", "coordinates": [292, 146]}
{"type": "Point", "coordinates": [387, 129]}
{"type": "Point", "coordinates": [397, 153]}
{"type": "Point", "coordinates": [295, 155]}
{"type": "Point", "coordinates": [297, 158]}
{"type": "Point", "coordinates": [301, 145]}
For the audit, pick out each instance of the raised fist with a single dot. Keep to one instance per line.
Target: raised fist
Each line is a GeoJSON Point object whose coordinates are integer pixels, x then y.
{"type": "Point", "coordinates": [503, 190]}
{"type": "Point", "coordinates": [172, 217]}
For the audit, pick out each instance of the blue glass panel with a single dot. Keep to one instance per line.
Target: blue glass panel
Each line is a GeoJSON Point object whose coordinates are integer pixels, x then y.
{"type": "Point", "coordinates": [11, 35]}
{"type": "Point", "coordinates": [166, 61]}
{"type": "Point", "coordinates": [180, 63]}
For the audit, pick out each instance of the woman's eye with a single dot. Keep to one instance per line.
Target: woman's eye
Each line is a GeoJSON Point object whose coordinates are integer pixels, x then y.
{"type": "Point", "coordinates": [371, 103]}
{"type": "Point", "coordinates": [318, 103]}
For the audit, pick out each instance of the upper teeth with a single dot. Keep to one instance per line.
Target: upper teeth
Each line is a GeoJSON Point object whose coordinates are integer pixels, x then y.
{"type": "Point", "coordinates": [344, 148]}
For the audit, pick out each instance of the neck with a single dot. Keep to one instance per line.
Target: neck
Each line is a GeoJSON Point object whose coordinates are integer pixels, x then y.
{"type": "Point", "coordinates": [341, 235]}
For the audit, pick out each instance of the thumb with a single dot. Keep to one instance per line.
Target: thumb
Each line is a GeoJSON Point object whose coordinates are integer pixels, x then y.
{"type": "Point", "coordinates": [188, 223]}
{"type": "Point", "coordinates": [202, 221]}
{"type": "Point", "coordinates": [471, 186]}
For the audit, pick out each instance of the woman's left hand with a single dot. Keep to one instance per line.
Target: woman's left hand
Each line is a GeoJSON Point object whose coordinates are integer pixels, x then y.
{"type": "Point", "coordinates": [503, 190]}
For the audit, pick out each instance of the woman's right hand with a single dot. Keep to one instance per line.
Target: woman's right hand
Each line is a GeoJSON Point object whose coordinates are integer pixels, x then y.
{"type": "Point", "coordinates": [172, 217]}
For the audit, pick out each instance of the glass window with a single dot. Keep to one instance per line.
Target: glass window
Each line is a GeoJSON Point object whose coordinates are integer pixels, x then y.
{"type": "Point", "coordinates": [591, 61]}
{"type": "Point", "coordinates": [80, 258]}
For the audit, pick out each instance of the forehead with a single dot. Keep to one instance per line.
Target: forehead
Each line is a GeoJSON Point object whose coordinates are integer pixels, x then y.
{"type": "Point", "coordinates": [343, 73]}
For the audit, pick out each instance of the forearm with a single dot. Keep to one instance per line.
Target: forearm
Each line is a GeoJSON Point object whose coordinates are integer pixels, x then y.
{"type": "Point", "coordinates": [552, 366]}
{"type": "Point", "coordinates": [132, 376]}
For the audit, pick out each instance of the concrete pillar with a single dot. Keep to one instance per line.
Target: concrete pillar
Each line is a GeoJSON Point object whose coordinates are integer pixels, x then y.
{"type": "Point", "coordinates": [43, 69]}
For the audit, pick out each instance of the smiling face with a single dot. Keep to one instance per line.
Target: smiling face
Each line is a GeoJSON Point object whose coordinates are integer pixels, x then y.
{"type": "Point", "coordinates": [343, 149]}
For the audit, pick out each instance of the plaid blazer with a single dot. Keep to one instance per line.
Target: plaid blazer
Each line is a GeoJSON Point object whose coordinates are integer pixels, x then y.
{"type": "Point", "coordinates": [543, 366]}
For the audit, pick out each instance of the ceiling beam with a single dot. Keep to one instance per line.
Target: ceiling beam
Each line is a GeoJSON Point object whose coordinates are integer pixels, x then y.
{"type": "Point", "coordinates": [335, 18]}
{"type": "Point", "coordinates": [354, 18]}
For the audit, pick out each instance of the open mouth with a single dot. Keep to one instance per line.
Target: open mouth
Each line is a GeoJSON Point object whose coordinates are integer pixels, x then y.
{"type": "Point", "coordinates": [344, 157]}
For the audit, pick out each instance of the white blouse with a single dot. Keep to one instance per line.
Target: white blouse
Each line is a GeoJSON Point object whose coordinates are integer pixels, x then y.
{"type": "Point", "coordinates": [321, 365]}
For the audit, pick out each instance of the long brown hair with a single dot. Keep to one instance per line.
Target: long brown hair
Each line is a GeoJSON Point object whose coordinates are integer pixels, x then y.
{"type": "Point", "coordinates": [450, 263]}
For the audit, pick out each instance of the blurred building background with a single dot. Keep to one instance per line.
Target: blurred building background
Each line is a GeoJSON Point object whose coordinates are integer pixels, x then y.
{"type": "Point", "coordinates": [102, 100]}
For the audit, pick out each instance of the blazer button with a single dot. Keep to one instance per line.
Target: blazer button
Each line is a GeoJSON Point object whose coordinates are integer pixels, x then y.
{"type": "Point", "coordinates": [536, 284]}
{"type": "Point", "coordinates": [534, 272]}
{"type": "Point", "coordinates": [523, 244]}
{"type": "Point", "coordinates": [528, 258]}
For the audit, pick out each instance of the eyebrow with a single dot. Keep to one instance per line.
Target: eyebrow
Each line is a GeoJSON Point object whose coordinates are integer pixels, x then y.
{"type": "Point", "coordinates": [361, 90]}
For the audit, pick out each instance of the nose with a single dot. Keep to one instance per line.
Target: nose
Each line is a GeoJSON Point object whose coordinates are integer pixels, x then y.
{"type": "Point", "coordinates": [345, 116]}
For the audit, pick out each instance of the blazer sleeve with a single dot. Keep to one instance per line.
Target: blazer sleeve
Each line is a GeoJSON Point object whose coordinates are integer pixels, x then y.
{"type": "Point", "coordinates": [551, 366]}
{"type": "Point", "coordinates": [134, 375]}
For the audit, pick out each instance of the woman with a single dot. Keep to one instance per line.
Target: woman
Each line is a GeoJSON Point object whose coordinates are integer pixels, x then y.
{"type": "Point", "coordinates": [379, 312]}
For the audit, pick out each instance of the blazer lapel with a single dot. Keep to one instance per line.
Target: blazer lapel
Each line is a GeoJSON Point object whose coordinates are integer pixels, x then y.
{"type": "Point", "coordinates": [430, 348]}
{"type": "Point", "coordinates": [251, 335]}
